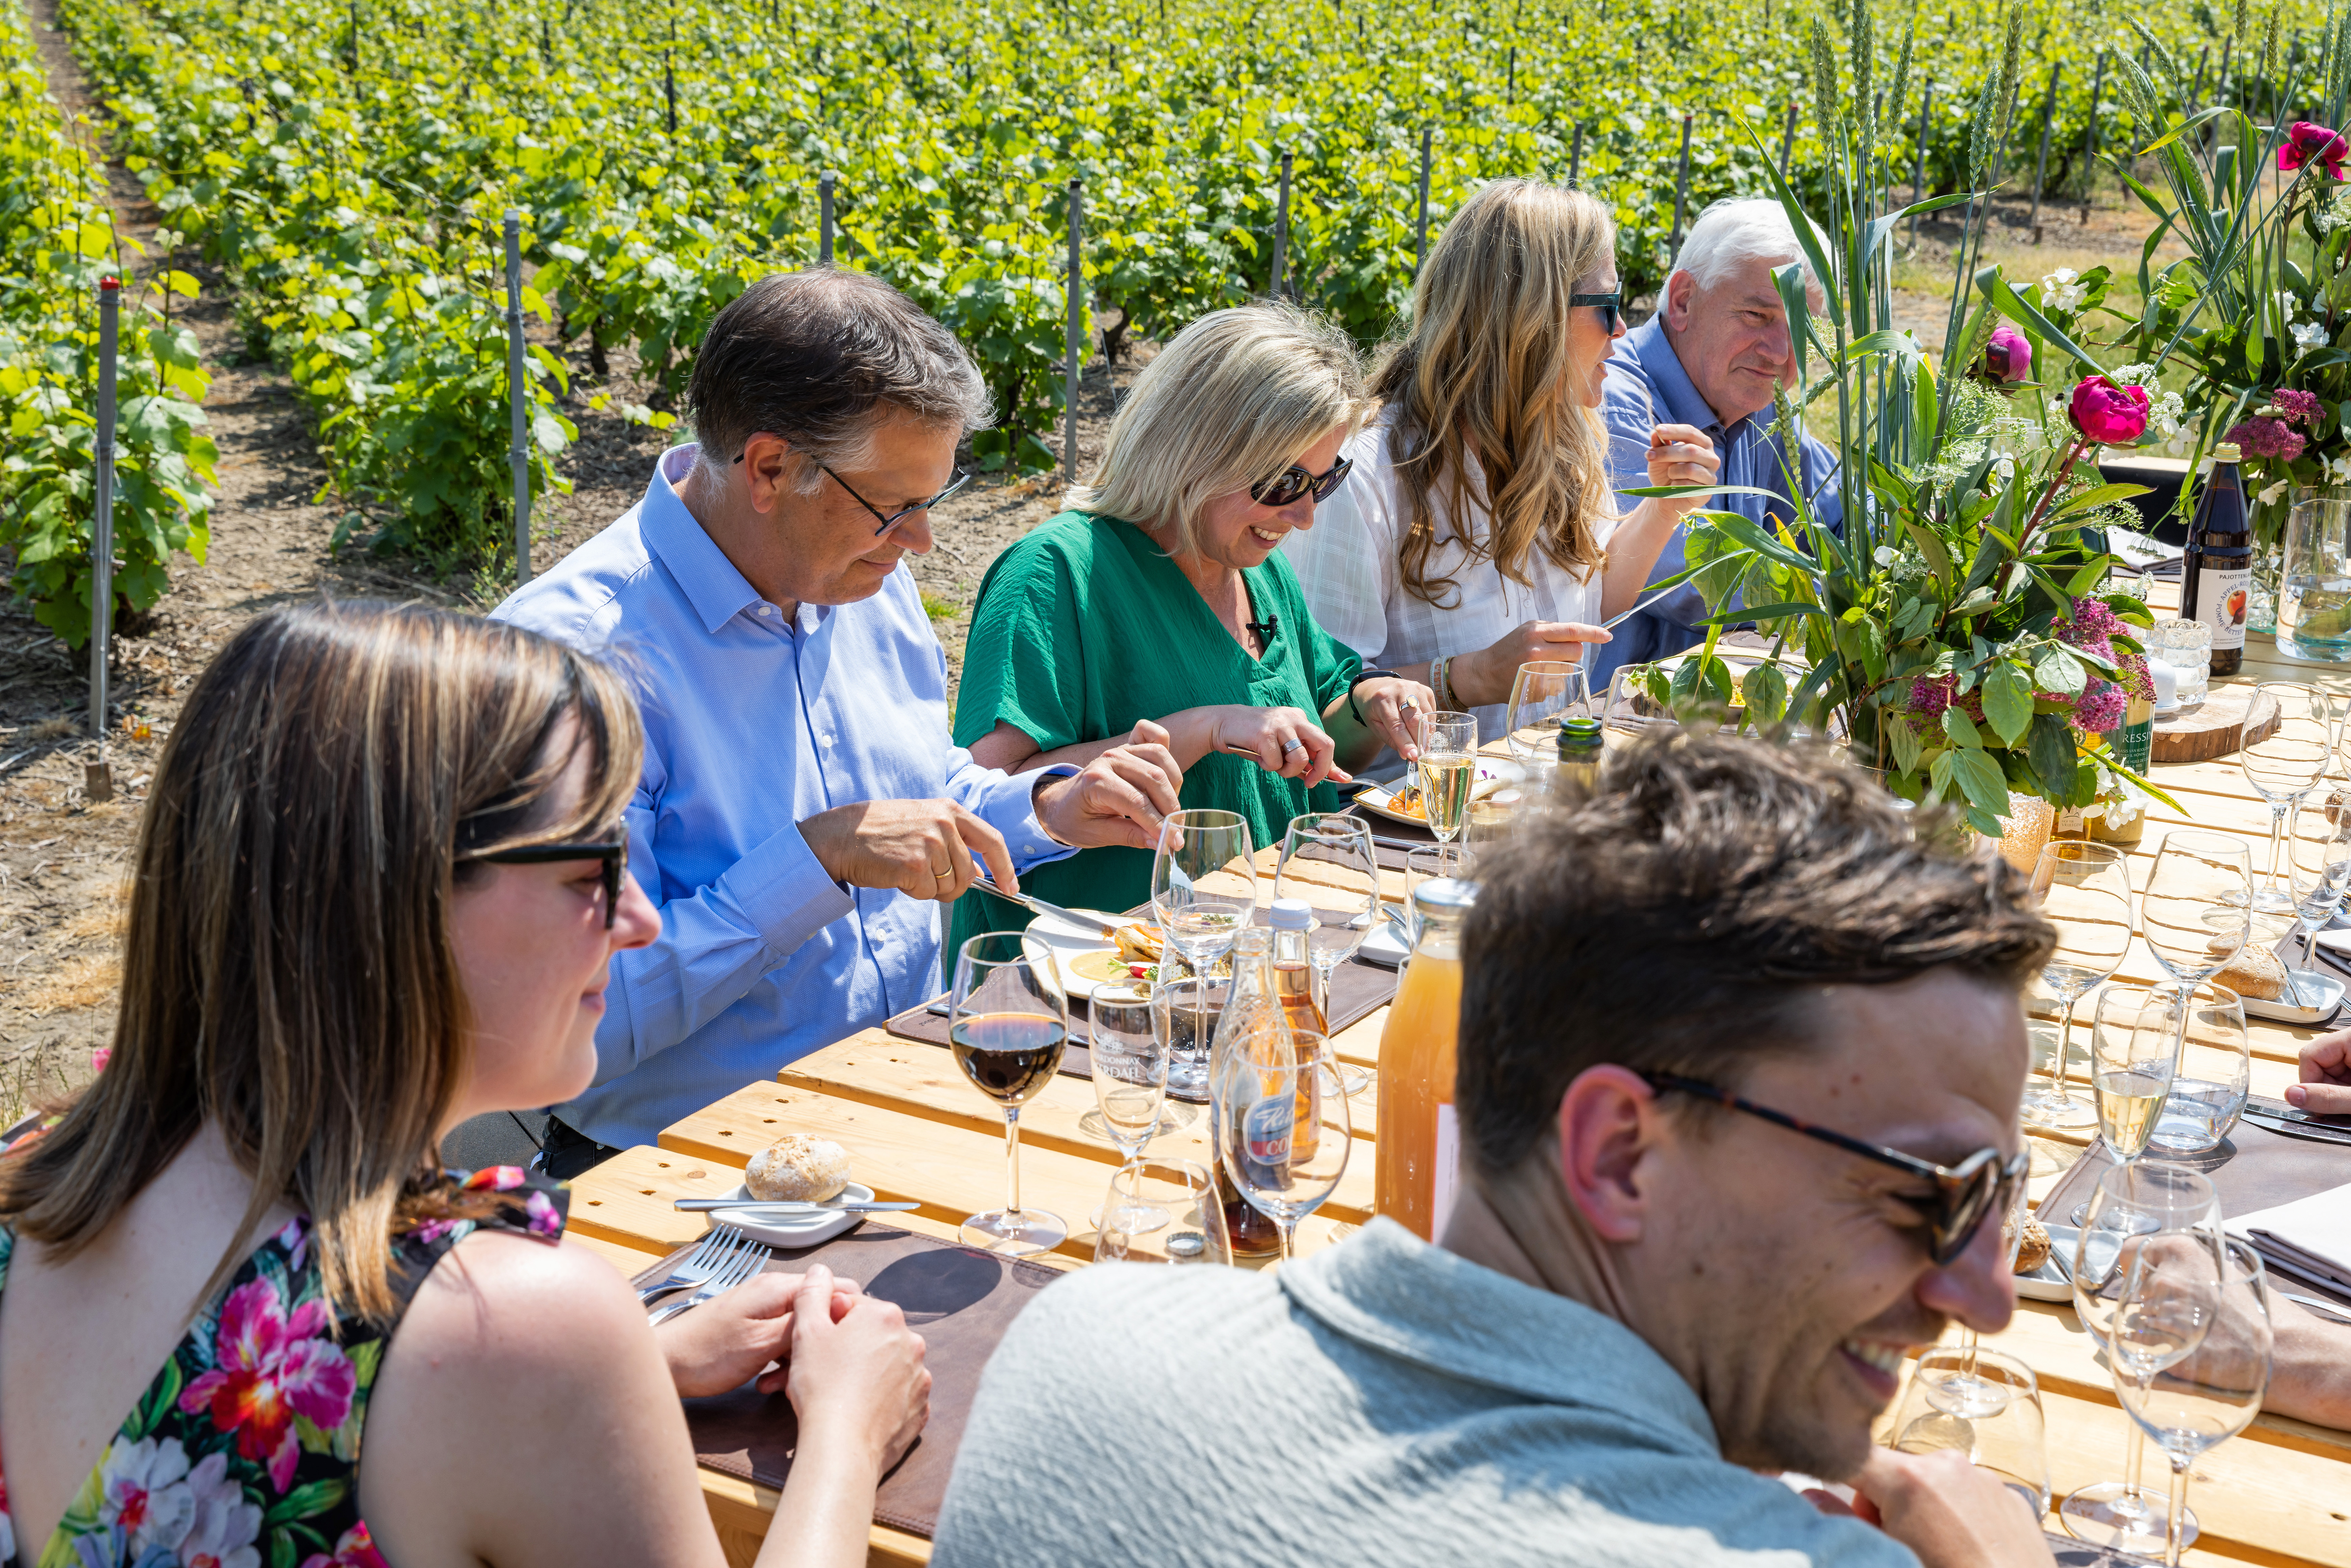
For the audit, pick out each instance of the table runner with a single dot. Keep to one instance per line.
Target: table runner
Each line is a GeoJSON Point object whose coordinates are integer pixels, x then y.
{"type": "Point", "coordinates": [960, 1300]}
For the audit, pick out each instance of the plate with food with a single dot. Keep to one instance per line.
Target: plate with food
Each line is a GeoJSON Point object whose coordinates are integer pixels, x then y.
{"type": "Point", "coordinates": [2041, 1260]}
{"type": "Point", "coordinates": [1402, 803]}
{"type": "Point", "coordinates": [796, 1168]}
{"type": "Point", "coordinates": [2258, 976]}
{"type": "Point", "coordinates": [1087, 959]}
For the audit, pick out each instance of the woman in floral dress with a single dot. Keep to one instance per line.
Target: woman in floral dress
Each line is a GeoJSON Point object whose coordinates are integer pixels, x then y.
{"type": "Point", "coordinates": [353, 925]}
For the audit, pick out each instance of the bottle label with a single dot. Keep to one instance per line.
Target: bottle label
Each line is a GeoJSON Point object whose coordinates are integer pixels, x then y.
{"type": "Point", "coordinates": [2070, 823]}
{"type": "Point", "coordinates": [1449, 1163]}
{"type": "Point", "coordinates": [2134, 744]}
{"type": "Point", "coordinates": [2222, 594]}
{"type": "Point", "coordinates": [1266, 1128]}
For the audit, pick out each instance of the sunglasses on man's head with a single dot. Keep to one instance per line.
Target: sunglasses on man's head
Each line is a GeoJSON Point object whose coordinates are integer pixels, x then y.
{"type": "Point", "coordinates": [1610, 305]}
{"type": "Point", "coordinates": [1294, 481]}
{"type": "Point", "coordinates": [1964, 1196]}
{"type": "Point", "coordinates": [613, 852]}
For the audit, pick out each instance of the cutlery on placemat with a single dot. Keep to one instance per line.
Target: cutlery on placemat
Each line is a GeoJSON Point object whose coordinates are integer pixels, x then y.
{"type": "Point", "coordinates": [791, 1205]}
{"type": "Point", "coordinates": [2341, 1314]}
{"type": "Point", "coordinates": [740, 1268]}
{"type": "Point", "coordinates": [2277, 1116]}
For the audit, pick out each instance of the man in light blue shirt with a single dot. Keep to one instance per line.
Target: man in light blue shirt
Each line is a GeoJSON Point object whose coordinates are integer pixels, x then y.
{"type": "Point", "coordinates": [803, 812]}
{"type": "Point", "coordinates": [1709, 359]}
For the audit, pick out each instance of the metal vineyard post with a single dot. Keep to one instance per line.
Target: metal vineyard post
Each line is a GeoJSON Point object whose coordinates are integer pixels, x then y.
{"type": "Point", "coordinates": [519, 452]}
{"type": "Point", "coordinates": [1681, 191]}
{"type": "Point", "coordinates": [1076, 328]}
{"type": "Point", "coordinates": [2041, 165]}
{"type": "Point", "coordinates": [1918, 172]}
{"type": "Point", "coordinates": [2090, 140]}
{"type": "Point", "coordinates": [824, 219]}
{"type": "Point", "coordinates": [1420, 245]}
{"type": "Point", "coordinates": [1280, 288]}
{"type": "Point", "coordinates": [101, 528]}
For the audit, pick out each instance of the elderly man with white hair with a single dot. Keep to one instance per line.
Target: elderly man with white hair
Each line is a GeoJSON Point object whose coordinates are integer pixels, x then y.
{"type": "Point", "coordinates": [1709, 359]}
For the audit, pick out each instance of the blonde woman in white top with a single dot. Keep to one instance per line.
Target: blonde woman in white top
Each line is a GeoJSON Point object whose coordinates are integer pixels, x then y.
{"type": "Point", "coordinates": [1479, 531]}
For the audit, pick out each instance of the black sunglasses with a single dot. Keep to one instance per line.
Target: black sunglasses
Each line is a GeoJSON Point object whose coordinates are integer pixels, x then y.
{"type": "Point", "coordinates": [1610, 305]}
{"type": "Point", "coordinates": [614, 853]}
{"type": "Point", "coordinates": [1294, 481]}
{"type": "Point", "coordinates": [892, 519]}
{"type": "Point", "coordinates": [1965, 1195]}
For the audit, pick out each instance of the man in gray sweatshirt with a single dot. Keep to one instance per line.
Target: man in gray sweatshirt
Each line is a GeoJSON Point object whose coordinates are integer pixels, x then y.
{"type": "Point", "coordinates": [1739, 1069]}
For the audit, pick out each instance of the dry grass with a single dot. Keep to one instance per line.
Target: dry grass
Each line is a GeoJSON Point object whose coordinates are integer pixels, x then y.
{"type": "Point", "coordinates": [81, 980]}
{"type": "Point", "coordinates": [58, 728]}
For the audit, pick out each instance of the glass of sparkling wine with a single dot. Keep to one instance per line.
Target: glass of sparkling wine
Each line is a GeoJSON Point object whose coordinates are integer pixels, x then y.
{"type": "Point", "coordinates": [1986, 1406]}
{"type": "Point", "coordinates": [1007, 1021]}
{"type": "Point", "coordinates": [1448, 771]}
{"type": "Point", "coordinates": [2134, 1054]}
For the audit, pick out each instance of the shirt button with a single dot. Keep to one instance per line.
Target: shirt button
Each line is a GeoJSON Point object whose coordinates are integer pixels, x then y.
{"type": "Point", "coordinates": [767, 609]}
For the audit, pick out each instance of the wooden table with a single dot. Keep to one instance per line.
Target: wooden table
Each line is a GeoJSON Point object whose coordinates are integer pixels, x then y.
{"type": "Point", "coordinates": [915, 1130]}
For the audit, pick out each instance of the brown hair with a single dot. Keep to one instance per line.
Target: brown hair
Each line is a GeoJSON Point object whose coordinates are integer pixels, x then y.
{"type": "Point", "coordinates": [1485, 369]}
{"type": "Point", "coordinates": [1680, 917]}
{"type": "Point", "coordinates": [288, 973]}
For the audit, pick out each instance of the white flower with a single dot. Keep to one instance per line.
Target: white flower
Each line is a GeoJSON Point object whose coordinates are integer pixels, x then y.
{"type": "Point", "coordinates": [144, 1493]}
{"type": "Point", "coordinates": [2339, 468]}
{"type": "Point", "coordinates": [2288, 307]}
{"type": "Point", "coordinates": [2061, 292]}
{"type": "Point", "coordinates": [2309, 334]}
{"type": "Point", "coordinates": [225, 1526]}
{"type": "Point", "coordinates": [2167, 415]}
{"type": "Point", "coordinates": [2132, 375]}
{"type": "Point", "coordinates": [2268, 494]}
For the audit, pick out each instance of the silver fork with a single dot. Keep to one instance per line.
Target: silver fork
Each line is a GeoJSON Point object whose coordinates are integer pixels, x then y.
{"type": "Point", "coordinates": [733, 1272]}
{"type": "Point", "coordinates": [715, 1249]}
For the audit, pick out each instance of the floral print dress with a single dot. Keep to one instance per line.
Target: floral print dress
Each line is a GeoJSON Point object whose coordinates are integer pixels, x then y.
{"type": "Point", "coordinates": [244, 1451]}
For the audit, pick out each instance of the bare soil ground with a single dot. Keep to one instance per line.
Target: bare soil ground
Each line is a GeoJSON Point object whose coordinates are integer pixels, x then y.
{"type": "Point", "coordinates": [64, 858]}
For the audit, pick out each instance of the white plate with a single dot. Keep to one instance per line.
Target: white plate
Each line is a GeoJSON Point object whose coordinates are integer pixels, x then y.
{"type": "Point", "coordinates": [1380, 798]}
{"type": "Point", "coordinates": [1070, 942]}
{"type": "Point", "coordinates": [794, 1230]}
{"type": "Point", "coordinates": [2049, 1283]}
{"type": "Point", "coordinates": [1385, 947]}
{"type": "Point", "coordinates": [2321, 989]}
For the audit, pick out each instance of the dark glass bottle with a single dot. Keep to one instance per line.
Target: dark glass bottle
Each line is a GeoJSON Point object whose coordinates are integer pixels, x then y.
{"type": "Point", "coordinates": [2216, 576]}
{"type": "Point", "coordinates": [1579, 751]}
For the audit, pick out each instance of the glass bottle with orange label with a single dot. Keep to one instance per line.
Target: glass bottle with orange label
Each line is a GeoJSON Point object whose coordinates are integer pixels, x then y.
{"type": "Point", "coordinates": [1419, 1142]}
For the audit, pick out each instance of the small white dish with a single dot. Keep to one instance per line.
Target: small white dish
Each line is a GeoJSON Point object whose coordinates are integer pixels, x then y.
{"type": "Point", "coordinates": [2051, 1282]}
{"type": "Point", "coordinates": [1084, 958]}
{"type": "Point", "coordinates": [784, 1228]}
{"type": "Point", "coordinates": [1385, 947]}
{"type": "Point", "coordinates": [2322, 990]}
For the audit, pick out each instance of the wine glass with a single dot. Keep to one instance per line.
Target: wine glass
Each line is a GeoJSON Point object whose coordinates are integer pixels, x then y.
{"type": "Point", "coordinates": [1329, 861]}
{"type": "Point", "coordinates": [2136, 1206]}
{"type": "Point", "coordinates": [1199, 916]}
{"type": "Point", "coordinates": [2282, 767]}
{"type": "Point", "coordinates": [2210, 1083]}
{"type": "Point", "coordinates": [2318, 866]}
{"type": "Point", "coordinates": [1629, 710]}
{"type": "Point", "coordinates": [1162, 1211]}
{"type": "Point", "coordinates": [1985, 1404]}
{"type": "Point", "coordinates": [1283, 1131]}
{"type": "Point", "coordinates": [2134, 1052]}
{"type": "Point", "coordinates": [2196, 912]}
{"type": "Point", "coordinates": [1007, 1021]}
{"type": "Point", "coordinates": [1185, 1010]}
{"type": "Point", "coordinates": [1545, 692]}
{"type": "Point", "coordinates": [1452, 861]}
{"type": "Point", "coordinates": [1447, 770]}
{"type": "Point", "coordinates": [2084, 889]}
{"type": "Point", "coordinates": [1954, 1392]}
{"type": "Point", "coordinates": [2195, 1400]}
{"type": "Point", "coordinates": [1129, 1057]}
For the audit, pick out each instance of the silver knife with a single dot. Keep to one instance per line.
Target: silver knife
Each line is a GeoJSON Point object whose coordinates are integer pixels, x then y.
{"type": "Point", "coordinates": [793, 1206]}
{"type": "Point", "coordinates": [2316, 1132]}
{"type": "Point", "coordinates": [1039, 906]}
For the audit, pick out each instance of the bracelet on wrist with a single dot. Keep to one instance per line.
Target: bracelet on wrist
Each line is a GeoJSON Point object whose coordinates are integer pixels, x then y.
{"type": "Point", "coordinates": [1437, 683]}
{"type": "Point", "coordinates": [1360, 677]}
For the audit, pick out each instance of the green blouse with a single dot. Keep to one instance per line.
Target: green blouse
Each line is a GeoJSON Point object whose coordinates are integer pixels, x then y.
{"type": "Point", "coordinates": [1084, 627]}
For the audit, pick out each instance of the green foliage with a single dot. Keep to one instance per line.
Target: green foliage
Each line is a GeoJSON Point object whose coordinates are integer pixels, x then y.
{"type": "Point", "coordinates": [57, 234]}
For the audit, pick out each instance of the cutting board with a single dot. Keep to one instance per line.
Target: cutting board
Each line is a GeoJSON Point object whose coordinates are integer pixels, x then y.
{"type": "Point", "coordinates": [2221, 724]}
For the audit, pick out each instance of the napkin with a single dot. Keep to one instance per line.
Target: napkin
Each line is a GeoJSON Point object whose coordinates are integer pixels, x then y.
{"type": "Point", "coordinates": [2308, 1239]}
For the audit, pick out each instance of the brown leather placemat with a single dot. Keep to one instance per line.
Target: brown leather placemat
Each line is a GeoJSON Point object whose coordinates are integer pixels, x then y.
{"type": "Point", "coordinates": [958, 1299]}
{"type": "Point", "coordinates": [2252, 1169]}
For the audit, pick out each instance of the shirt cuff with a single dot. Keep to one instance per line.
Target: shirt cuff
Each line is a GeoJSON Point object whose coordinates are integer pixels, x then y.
{"type": "Point", "coordinates": [1011, 812]}
{"type": "Point", "coordinates": [784, 890]}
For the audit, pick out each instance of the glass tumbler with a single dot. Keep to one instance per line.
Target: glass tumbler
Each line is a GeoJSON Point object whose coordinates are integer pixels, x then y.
{"type": "Point", "coordinates": [2314, 581]}
{"type": "Point", "coordinates": [2186, 647]}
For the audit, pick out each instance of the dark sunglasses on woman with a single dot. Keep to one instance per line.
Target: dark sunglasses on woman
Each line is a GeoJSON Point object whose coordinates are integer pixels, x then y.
{"type": "Point", "coordinates": [612, 852]}
{"type": "Point", "coordinates": [1610, 305]}
{"type": "Point", "coordinates": [1294, 481]}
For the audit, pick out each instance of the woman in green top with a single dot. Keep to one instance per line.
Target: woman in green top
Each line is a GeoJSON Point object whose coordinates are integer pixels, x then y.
{"type": "Point", "coordinates": [1159, 607]}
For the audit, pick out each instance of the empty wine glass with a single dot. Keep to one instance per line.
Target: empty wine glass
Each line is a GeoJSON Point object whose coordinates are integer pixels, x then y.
{"type": "Point", "coordinates": [1129, 1057]}
{"type": "Point", "coordinates": [2282, 767]}
{"type": "Point", "coordinates": [1185, 1010]}
{"type": "Point", "coordinates": [2210, 1083]}
{"type": "Point", "coordinates": [1545, 692]}
{"type": "Point", "coordinates": [1984, 1404]}
{"type": "Point", "coordinates": [1329, 861]}
{"type": "Point", "coordinates": [1162, 1211]}
{"type": "Point", "coordinates": [1008, 1022]}
{"type": "Point", "coordinates": [1203, 890]}
{"type": "Point", "coordinates": [1283, 1130]}
{"type": "Point", "coordinates": [2318, 869]}
{"type": "Point", "coordinates": [2196, 912]}
{"type": "Point", "coordinates": [2084, 889]}
{"type": "Point", "coordinates": [2192, 1401]}
{"type": "Point", "coordinates": [1447, 770]}
{"type": "Point", "coordinates": [2134, 1052]}
{"type": "Point", "coordinates": [1955, 1393]}
{"type": "Point", "coordinates": [2135, 1206]}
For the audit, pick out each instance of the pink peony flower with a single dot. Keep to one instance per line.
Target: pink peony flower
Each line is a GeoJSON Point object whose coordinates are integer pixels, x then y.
{"type": "Point", "coordinates": [2298, 406]}
{"type": "Point", "coordinates": [101, 1057]}
{"type": "Point", "coordinates": [272, 1367]}
{"type": "Point", "coordinates": [2008, 357]}
{"type": "Point", "coordinates": [2107, 414]}
{"type": "Point", "coordinates": [2310, 140]}
{"type": "Point", "coordinates": [2266, 438]}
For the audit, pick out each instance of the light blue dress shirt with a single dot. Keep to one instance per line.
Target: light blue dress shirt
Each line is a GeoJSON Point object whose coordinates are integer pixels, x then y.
{"type": "Point", "coordinates": [754, 721]}
{"type": "Point", "coordinates": [1646, 386]}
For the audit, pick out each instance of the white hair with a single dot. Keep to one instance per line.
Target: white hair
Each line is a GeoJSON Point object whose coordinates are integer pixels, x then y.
{"type": "Point", "coordinates": [1743, 229]}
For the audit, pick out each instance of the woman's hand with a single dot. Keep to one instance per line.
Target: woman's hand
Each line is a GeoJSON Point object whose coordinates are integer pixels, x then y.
{"type": "Point", "coordinates": [1681, 454]}
{"type": "Point", "coordinates": [1485, 677]}
{"type": "Point", "coordinates": [1284, 740]}
{"type": "Point", "coordinates": [1394, 709]}
{"type": "Point", "coordinates": [855, 1375]}
{"type": "Point", "coordinates": [729, 1339]}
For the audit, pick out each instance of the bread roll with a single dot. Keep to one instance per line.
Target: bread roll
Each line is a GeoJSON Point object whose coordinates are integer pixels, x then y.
{"type": "Point", "coordinates": [2031, 1247]}
{"type": "Point", "coordinates": [2255, 972]}
{"type": "Point", "coordinates": [798, 1168]}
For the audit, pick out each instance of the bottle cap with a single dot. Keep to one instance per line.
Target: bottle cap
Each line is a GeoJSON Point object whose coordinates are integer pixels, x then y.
{"type": "Point", "coordinates": [2227, 452]}
{"type": "Point", "coordinates": [1445, 894]}
{"type": "Point", "coordinates": [1292, 915]}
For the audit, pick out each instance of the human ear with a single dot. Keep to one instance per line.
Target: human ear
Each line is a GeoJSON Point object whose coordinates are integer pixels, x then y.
{"type": "Point", "coordinates": [1679, 288]}
{"type": "Point", "coordinates": [770, 466]}
{"type": "Point", "coordinates": [1609, 1124]}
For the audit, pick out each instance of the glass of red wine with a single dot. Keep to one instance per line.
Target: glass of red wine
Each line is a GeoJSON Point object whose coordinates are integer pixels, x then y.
{"type": "Point", "coordinates": [1007, 1021]}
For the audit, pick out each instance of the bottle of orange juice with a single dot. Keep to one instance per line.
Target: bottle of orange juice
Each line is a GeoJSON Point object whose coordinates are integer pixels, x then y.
{"type": "Point", "coordinates": [1419, 1142]}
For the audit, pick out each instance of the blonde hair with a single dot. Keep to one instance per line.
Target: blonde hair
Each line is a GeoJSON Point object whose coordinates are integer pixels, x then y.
{"type": "Point", "coordinates": [1485, 369]}
{"type": "Point", "coordinates": [288, 973]}
{"type": "Point", "coordinates": [1230, 402]}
